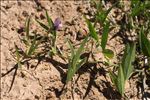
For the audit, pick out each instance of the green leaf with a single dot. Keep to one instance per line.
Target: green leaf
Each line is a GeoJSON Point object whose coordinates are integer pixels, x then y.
{"type": "Point", "coordinates": [144, 43]}
{"type": "Point", "coordinates": [18, 56]}
{"type": "Point", "coordinates": [105, 35]}
{"type": "Point", "coordinates": [27, 24]}
{"type": "Point", "coordinates": [113, 78]}
{"type": "Point", "coordinates": [34, 46]}
{"type": "Point", "coordinates": [72, 49]}
{"type": "Point", "coordinates": [97, 4]}
{"type": "Point", "coordinates": [126, 68]}
{"type": "Point", "coordinates": [43, 25]}
{"type": "Point", "coordinates": [49, 20]}
{"type": "Point", "coordinates": [25, 42]}
{"type": "Point", "coordinates": [70, 71]}
{"type": "Point", "coordinates": [74, 63]}
{"type": "Point", "coordinates": [128, 59]}
{"type": "Point", "coordinates": [81, 63]}
{"type": "Point", "coordinates": [92, 30]}
{"type": "Point", "coordinates": [108, 53]}
{"type": "Point", "coordinates": [51, 25]}
{"type": "Point", "coordinates": [102, 15]}
{"type": "Point", "coordinates": [139, 7]}
{"type": "Point", "coordinates": [134, 2]}
{"type": "Point", "coordinates": [17, 52]}
{"type": "Point", "coordinates": [120, 81]}
{"type": "Point", "coordinates": [79, 51]}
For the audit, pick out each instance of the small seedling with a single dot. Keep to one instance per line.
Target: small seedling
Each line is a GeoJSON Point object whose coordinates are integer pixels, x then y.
{"type": "Point", "coordinates": [31, 42]}
{"type": "Point", "coordinates": [51, 29]}
{"type": "Point", "coordinates": [107, 52]}
{"type": "Point", "coordinates": [74, 61]}
{"type": "Point", "coordinates": [144, 43]}
{"type": "Point", "coordinates": [125, 69]}
{"type": "Point", "coordinates": [18, 56]}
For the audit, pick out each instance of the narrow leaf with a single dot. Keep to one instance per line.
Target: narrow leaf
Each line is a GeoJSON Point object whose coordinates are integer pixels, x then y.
{"type": "Point", "coordinates": [17, 52]}
{"type": "Point", "coordinates": [32, 47]}
{"type": "Point", "coordinates": [82, 62]}
{"type": "Point", "coordinates": [102, 15]}
{"type": "Point", "coordinates": [18, 56]}
{"type": "Point", "coordinates": [25, 42]}
{"type": "Point", "coordinates": [113, 78]}
{"type": "Point", "coordinates": [105, 35]}
{"type": "Point", "coordinates": [27, 24]}
{"type": "Point", "coordinates": [70, 71]}
{"type": "Point", "coordinates": [120, 81]}
{"type": "Point", "coordinates": [144, 43]}
{"type": "Point", "coordinates": [92, 30]}
{"type": "Point", "coordinates": [139, 7]}
{"type": "Point", "coordinates": [74, 63]}
{"type": "Point", "coordinates": [72, 49]}
{"type": "Point", "coordinates": [128, 59]}
{"type": "Point", "coordinates": [43, 25]}
{"type": "Point", "coordinates": [49, 20]}
{"type": "Point", "coordinates": [79, 51]}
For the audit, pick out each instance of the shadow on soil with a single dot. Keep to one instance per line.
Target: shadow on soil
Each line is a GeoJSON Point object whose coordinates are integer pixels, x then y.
{"type": "Point", "coordinates": [108, 91]}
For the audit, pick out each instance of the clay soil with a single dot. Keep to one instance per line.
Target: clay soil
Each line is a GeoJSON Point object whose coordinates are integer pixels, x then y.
{"type": "Point", "coordinates": [47, 80]}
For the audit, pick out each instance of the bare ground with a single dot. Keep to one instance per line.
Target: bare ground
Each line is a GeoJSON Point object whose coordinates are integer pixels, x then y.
{"type": "Point", "coordinates": [46, 81]}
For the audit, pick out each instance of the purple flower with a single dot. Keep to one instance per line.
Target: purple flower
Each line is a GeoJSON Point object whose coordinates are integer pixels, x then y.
{"type": "Point", "coordinates": [57, 24]}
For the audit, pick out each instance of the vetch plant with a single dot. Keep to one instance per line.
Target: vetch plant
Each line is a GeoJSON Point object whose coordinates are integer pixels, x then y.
{"type": "Point", "coordinates": [137, 47]}
{"type": "Point", "coordinates": [51, 29]}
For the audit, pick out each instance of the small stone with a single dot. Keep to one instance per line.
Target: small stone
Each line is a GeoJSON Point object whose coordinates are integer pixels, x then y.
{"type": "Point", "coordinates": [42, 16]}
{"type": "Point", "coordinates": [25, 14]}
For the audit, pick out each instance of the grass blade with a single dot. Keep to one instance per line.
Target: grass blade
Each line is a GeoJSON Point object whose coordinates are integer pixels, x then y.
{"type": "Point", "coordinates": [32, 47]}
{"type": "Point", "coordinates": [25, 42]}
{"type": "Point", "coordinates": [102, 15]}
{"type": "Point", "coordinates": [144, 43]}
{"type": "Point", "coordinates": [105, 35]}
{"type": "Point", "coordinates": [81, 63]}
{"type": "Point", "coordinates": [120, 81]}
{"type": "Point", "coordinates": [72, 49]}
{"type": "Point", "coordinates": [139, 7]}
{"type": "Point", "coordinates": [18, 56]}
{"type": "Point", "coordinates": [17, 52]}
{"type": "Point", "coordinates": [128, 59]}
{"type": "Point", "coordinates": [70, 71]}
{"type": "Point", "coordinates": [49, 20]}
{"type": "Point", "coordinates": [79, 51]}
{"type": "Point", "coordinates": [113, 78]}
{"type": "Point", "coordinates": [51, 25]}
{"type": "Point", "coordinates": [74, 63]}
{"type": "Point", "coordinates": [92, 30]}
{"type": "Point", "coordinates": [27, 24]}
{"type": "Point", "coordinates": [43, 25]}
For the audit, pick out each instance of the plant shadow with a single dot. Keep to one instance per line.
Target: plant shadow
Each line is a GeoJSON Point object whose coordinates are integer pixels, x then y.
{"type": "Point", "coordinates": [14, 75]}
{"type": "Point", "coordinates": [107, 89]}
